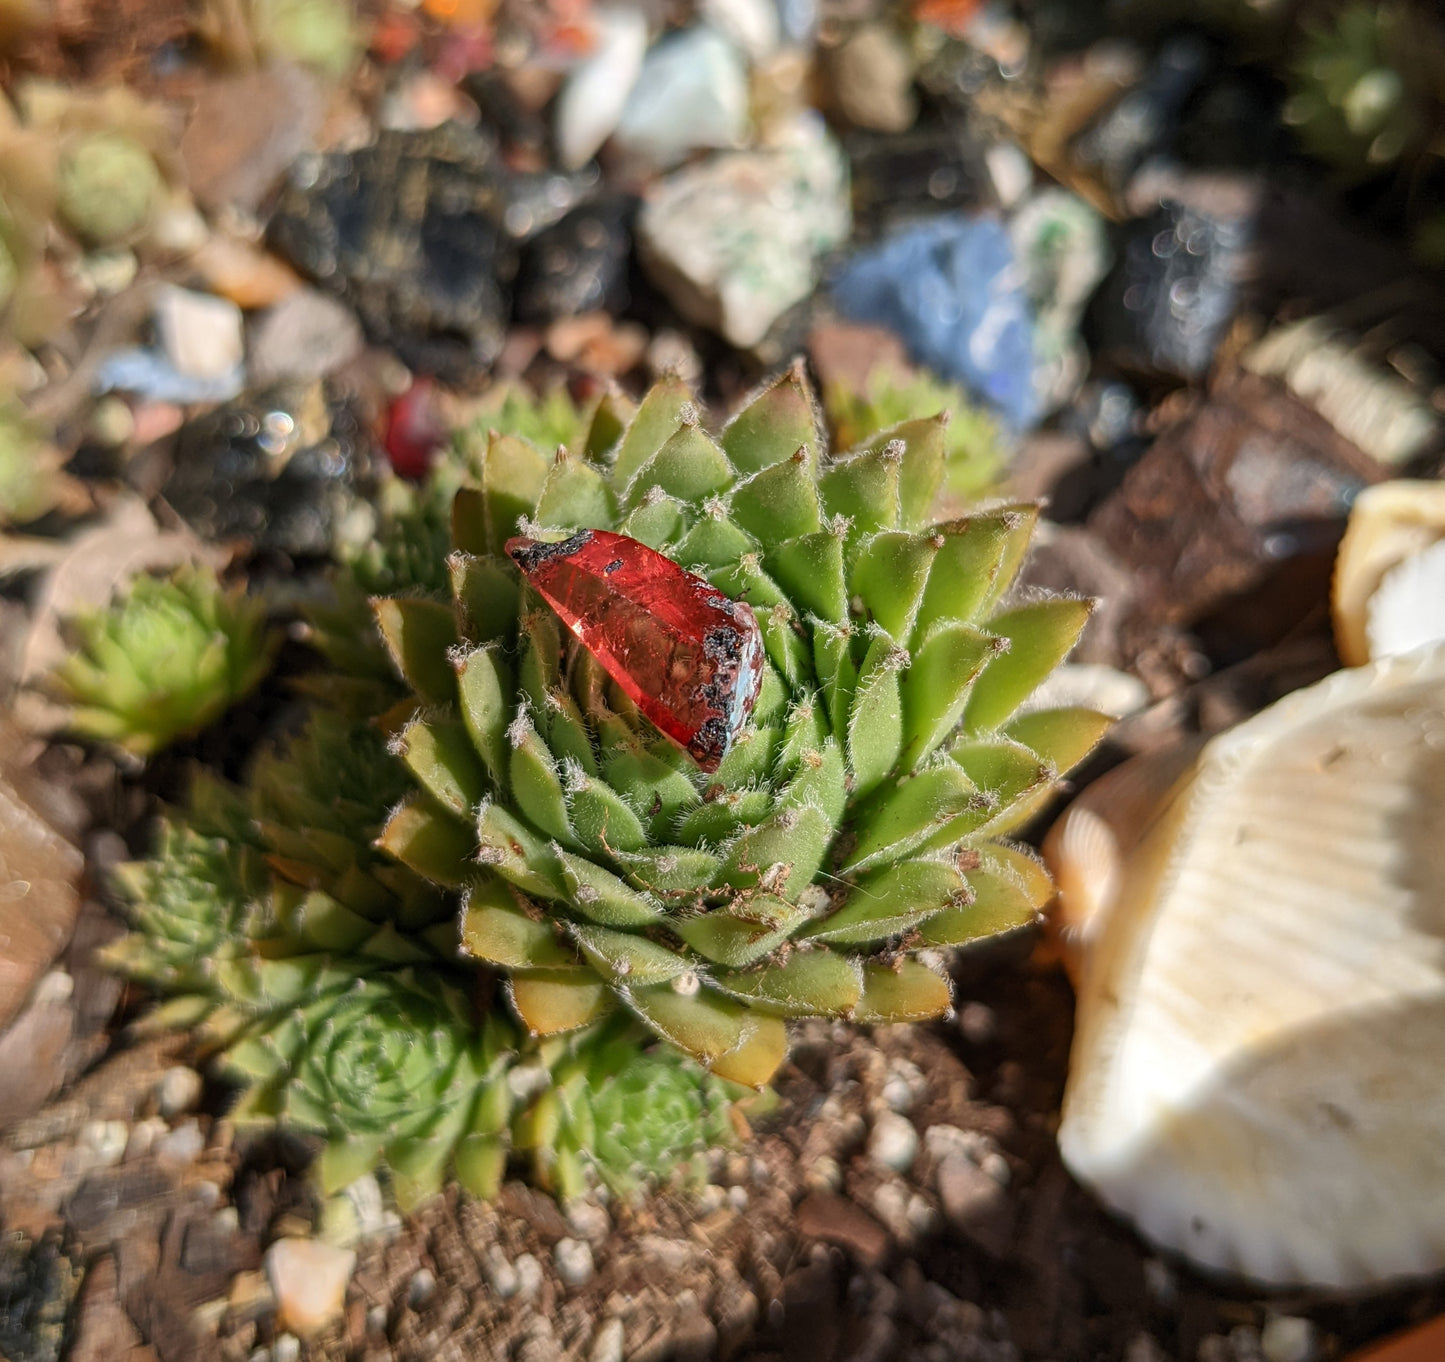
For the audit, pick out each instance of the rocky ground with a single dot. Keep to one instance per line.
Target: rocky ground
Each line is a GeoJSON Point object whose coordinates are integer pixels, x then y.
{"type": "Point", "coordinates": [1208, 326]}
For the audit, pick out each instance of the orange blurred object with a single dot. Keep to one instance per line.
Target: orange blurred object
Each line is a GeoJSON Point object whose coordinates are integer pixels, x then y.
{"type": "Point", "coordinates": [461, 13]}
{"type": "Point", "coordinates": [1424, 1343]}
{"type": "Point", "coordinates": [953, 16]}
{"type": "Point", "coordinates": [395, 34]}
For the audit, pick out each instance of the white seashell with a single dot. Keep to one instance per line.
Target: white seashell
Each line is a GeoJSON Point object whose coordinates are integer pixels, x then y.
{"type": "Point", "coordinates": [1389, 524]}
{"type": "Point", "coordinates": [1407, 611]}
{"type": "Point", "coordinates": [1258, 1072]}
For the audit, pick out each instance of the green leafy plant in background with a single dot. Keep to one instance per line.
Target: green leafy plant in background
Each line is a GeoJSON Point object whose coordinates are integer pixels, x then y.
{"type": "Point", "coordinates": [477, 909]}
{"type": "Point", "coordinates": [975, 455]}
{"type": "Point", "coordinates": [164, 661]}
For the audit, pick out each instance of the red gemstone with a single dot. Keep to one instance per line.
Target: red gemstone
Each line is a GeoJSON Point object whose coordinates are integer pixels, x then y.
{"type": "Point", "coordinates": [690, 657]}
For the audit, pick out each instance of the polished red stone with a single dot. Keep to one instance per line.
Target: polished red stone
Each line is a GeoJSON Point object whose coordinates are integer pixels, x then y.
{"type": "Point", "coordinates": [690, 657]}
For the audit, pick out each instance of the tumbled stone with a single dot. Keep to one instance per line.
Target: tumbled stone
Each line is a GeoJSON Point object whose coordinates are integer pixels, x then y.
{"type": "Point", "coordinates": [872, 78]}
{"type": "Point", "coordinates": [836, 1220]}
{"type": "Point", "coordinates": [304, 336]}
{"type": "Point", "coordinates": [309, 1280]}
{"type": "Point", "coordinates": [734, 242]}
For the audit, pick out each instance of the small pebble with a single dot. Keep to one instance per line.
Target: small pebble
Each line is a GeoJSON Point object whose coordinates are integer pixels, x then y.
{"type": "Point", "coordinates": [376, 1319]}
{"type": "Point", "coordinates": [505, 1279]}
{"type": "Point", "coordinates": [529, 1276]}
{"type": "Point", "coordinates": [893, 1142]}
{"type": "Point", "coordinates": [824, 1174]}
{"type": "Point", "coordinates": [286, 1348]}
{"type": "Point", "coordinates": [738, 1198]}
{"type": "Point", "coordinates": [711, 1198]}
{"type": "Point", "coordinates": [573, 1258]}
{"type": "Point", "coordinates": [178, 1091]}
{"type": "Point", "coordinates": [977, 1023]}
{"type": "Point", "coordinates": [200, 333]}
{"type": "Point", "coordinates": [182, 1146]}
{"type": "Point", "coordinates": [607, 1342]}
{"type": "Point", "coordinates": [107, 1140]}
{"type": "Point", "coordinates": [589, 1221]}
{"type": "Point", "coordinates": [421, 1288]}
{"type": "Point", "coordinates": [1288, 1338]}
{"type": "Point", "coordinates": [309, 1279]}
{"type": "Point", "coordinates": [996, 1166]}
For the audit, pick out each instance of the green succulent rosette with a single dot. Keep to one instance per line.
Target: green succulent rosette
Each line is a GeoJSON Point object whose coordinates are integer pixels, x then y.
{"type": "Point", "coordinates": [164, 661]}
{"type": "Point", "coordinates": [859, 822]}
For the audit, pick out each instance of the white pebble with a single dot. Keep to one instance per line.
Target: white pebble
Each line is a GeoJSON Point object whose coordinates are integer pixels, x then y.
{"type": "Point", "coordinates": [421, 1288]}
{"type": "Point", "coordinates": [529, 1276]}
{"type": "Point", "coordinates": [178, 1091]}
{"type": "Point", "coordinates": [505, 1279]}
{"type": "Point", "coordinates": [996, 1166]}
{"type": "Point", "coordinates": [309, 1280]}
{"type": "Point", "coordinates": [286, 1348]}
{"type": "Point", "coordinates": [607, 1342]}
{"type": "Point", "coordinates": [143, 1136]}
{"type": "Point", "coordinates": [573, 1258]}
{"type": "Point", "coordinates": [107, 1140]}
{"type": "Point", "coordinates": [738, 1198]}
{"type": "Point", "coordinates": [1288, 1338]}
{"type": "Point", "coordinates": [977, 1023]}
{"type": "Point", "coordinates": [589, 1221]}
{"type": "Point", "coordinates": [893, 1142]}
{"type": "Point", "coordinates": [376, 1319]}
{"type": "Point", "coordinates": [824, 1174]}
{"type": "Point", "coordinates": [182, 1146]}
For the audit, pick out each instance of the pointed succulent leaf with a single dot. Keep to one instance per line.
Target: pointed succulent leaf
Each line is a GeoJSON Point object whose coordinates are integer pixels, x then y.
{"type": "Point", "coordinates": [496, 929]}
{"type": "Point", "coordinates": [1040, 636]}
{"type": "Point", "coordinates": [627, 959]}
{"type": "Point", "coordinates": [535, 783]}
{"type": "Point", "coordinates": [487, 696]}
{"type": "Point", "coordinates": [1060, 737]}
{"type": "Point", "coordinates": [689, 466]}
{"type": "Point", "coordinates": [810, 569]}
{"type": "Point", "coordinates": [726, 1037]}
{"type": "Point", "coordinates": [658, 417]}
{"type": "Point", "coordinates": [516, 852]}
{"type": "Point", "coordinates": [714, 542]}
{"type": "Point", "coordinates": [891, 902]}
{"type": "Point", "coordinates": [513, 475]}
{"type": "Point", "coordinates": [433, 843]}
{"type": "Point", "coordinates": [810, 983]}
{"type": "Point", "coordinates": [909, 815]}
{"type": "Point", "coordinates": [890, 572]}
{"type": "Point", "coordinates": [775, 424]}
{"type": "Point", "coordinates": [785, 850]}
{"type": "Point", "coordinates": [551, 1002]}
{"type": "Point", "coordinates": [875, 720]}
{"type": "Point", "coordinates": [781, 502]}
{"type": "Point", "coordinates": [864, 489]}
{"type": "Point", "coordinates": [602, 897]}
{"type": "Point", "coordinates": [935, 688]}
{"type": "Point", "coordinates": [744, 933]}
{"type": "Point", "coordinates": [439, 754]}
{"type": "Point", "coordinates": [485, 592]}
{"type": "Point", "coordinates": [419, 635]}
{"type": "Point", "coordinates": [575, 496]}
{"type": "Point", "coordinates": [905, 990]}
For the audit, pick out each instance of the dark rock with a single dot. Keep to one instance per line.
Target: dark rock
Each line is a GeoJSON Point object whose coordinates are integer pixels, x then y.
{"type": "Point", "coordinates": [577, 265]}
{"type": "Point", "coordinates": [411, 232]}
{"type": "Point", "coordinates": [812, 1316]}
{"type": "Point", "coordinates": [1144, 120]}
{"type": "Point", "coordinates": [930, 170]}
{"type": "Point", "coordinates": [38, 1283]}
{"type": "Point", "coordinates": [102, 1205]}
{"type": "Point", "coordinates": [1165, 305]}
{"type": "Point", "coordinates": [276, 469]}
{"type": "Point", "coordinates": [834, 1219]}
{"type": "Point", "coordinates": [1234, 515]}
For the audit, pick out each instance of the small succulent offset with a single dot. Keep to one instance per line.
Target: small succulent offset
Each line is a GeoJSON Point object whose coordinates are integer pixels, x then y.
{"type": "Point", "coordinates": [858, 821]}
{"type": "Point", "coordinates": [164, 661]}
{"type": "Point", "coordinates": [479, 907]}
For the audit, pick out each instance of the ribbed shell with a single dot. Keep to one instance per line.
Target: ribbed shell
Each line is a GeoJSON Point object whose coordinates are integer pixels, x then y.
{"type": "Point", "coordinates": [1258, 1074]}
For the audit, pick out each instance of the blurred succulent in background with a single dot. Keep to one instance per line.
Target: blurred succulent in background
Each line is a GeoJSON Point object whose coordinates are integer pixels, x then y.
{"type": "Point", "coordinates": [975, 453]}
{"type": "Point", "coordinates": [164, 661]}
{"type": "Point", "coordinates": [31, 481]}
{"type": "Point", "coordinates": [321, 34]}
{"type": "Point", "coordinates": [1368, 89]}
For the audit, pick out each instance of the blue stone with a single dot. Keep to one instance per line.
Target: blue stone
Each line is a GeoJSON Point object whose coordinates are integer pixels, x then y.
{"type": "Point", "coordinates": [951, 290]}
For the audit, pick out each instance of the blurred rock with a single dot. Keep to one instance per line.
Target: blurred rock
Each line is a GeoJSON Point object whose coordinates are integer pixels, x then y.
{"type": "Point", "coordinates": [975, 1204]}
{"type": "Point", "coordinates": [416, 427]}
{"type": "Point", "coordinates": [752, 24]}
{"type": "Point", "coordinates": [247, 275]}
{"type": "Point", "coordinates": [733, 243]}
{"type": "Point", "coordinates": [1061, 245]}
{"type": "Point", "coordinates": [244, 131]}
{"type": "Point", "coordinates": [596, 344]}
{"type": "Point", "coordinates": [152, 376]}
{"type": "Point", "coordinates": [871, 74]}
{"type": "Point", "coordinates": [597, 90]}
{"type": "Point", "coordinates": [411, 233]}
{"type": "Point", "coordinates": [950, 288]}
{"type": "Point", "coordinates": [1165, 306]}
{"type": "Point", "coordinates": [200, 333]}
{"type": "Point", "coordinates": [278, 470]}
{"type": "Point", "coordinates": [38, 1287]}
{"type": "Point", "coordinates": [913, 174]}
{"type": "Point", "coordinates": [1143, 121]}
{"type": "Point", "coordinates": [305, 336]}
{"type": "Point", "coordinates": [577, 265]}
{"type": "Point", "coordinates": [836, 1220]}
{"type": "Point", "coordinates": [691, 94]}
{"type": "Point", "coordinates": [847, 354]}
{"type": "Point", "coordinates": [309, 1280]}
{"type": "Point", "coordinates": [1239, 506]}
{"type": "Point", "coordinates": [33, 1047]}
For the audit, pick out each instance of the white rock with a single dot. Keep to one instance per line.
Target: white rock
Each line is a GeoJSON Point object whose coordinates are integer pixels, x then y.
{"type": "Point", "coordinates": [286, 1348]}
{"type": "Point", "coordinates": [529, 1276]}
{"type": "Point", "coordinates": [421, 1288]}
{"type": "Point", "coordinates": [596, 92]}
{"type": "Point", "coordinates": [200, 333]}
{"type": "Point", "coordinates": [573, 1259]}
{"type": "Point", "coordinates": [309, 1280]}
{"type": "Point", "coordinates": [751, 24]}
{"type": "Point", "coordinates": [178, 1091]}
{"type": "Point", "coordinates": [738, 1198]}
{"type": "Point", "coordinates": [893, 1141]}
{"type": "Point", "coordinates": [106, 1140]}
{"type": "Point", "coordinates": [506, 1281]}
{"type": "Point", "coordinates": [306, 335]}
{"type": "Point", "coordinates": [873, 80]}
{"type": "Point", "coordinates": [182, 1146]}
{"type": "Point", "coordinates": [607, 1342]}
{"type": "Point", "coordinates": [734, 242]}
{"type": "Point", "coordinates": [1288, 1338]}
{"type": "Point", "coordinates": [588, 1220]}
{"type": "Point", "coordinates": [692, 93]}
{"type": "Point", "coordinates": [1010, 171]}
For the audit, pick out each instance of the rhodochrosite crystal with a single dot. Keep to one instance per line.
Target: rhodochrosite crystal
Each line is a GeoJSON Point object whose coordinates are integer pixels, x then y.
{"type": "Point", "coordinates": [689, 656]}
